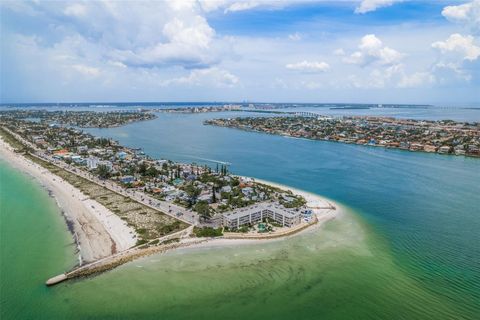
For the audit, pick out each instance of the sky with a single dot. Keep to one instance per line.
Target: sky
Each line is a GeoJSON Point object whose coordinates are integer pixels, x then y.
{"type": "Point", "coordinates": [370, 51]}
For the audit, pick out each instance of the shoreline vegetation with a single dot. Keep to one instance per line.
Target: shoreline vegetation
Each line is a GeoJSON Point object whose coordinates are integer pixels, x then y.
{"type": "Point", "coordinates": [116, 237]}
{"type": "Point", "coordinates": [443, 137]}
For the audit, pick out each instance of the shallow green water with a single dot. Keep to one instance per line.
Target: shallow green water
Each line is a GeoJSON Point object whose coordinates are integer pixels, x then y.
{"type": "Point", "coordinates": [408, 250]}
{"type": "Point", "coordinates": [339, 271]}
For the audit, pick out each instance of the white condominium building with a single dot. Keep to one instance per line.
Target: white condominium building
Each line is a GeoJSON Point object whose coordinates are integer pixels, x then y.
{"type": "Point", "coordinates": [258, 212]}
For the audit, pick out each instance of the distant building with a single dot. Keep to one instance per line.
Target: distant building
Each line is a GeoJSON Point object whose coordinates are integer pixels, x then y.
{"type": "Point", "coordinates": [444, 149]}
{"type": "Point", "coordinates": [247, 191]}
{"type": "Point", "coordinates": [106, 163]}
{"type": "Point", "coordinates": [226, 189]}
{"type": "Point", "coordinates": [205, 197]}
{"type": "Point", "coordinates": [82, 149]}
{"type": "Point", "coordinates": [121, 155]}
{"type": "Point", "coordinates": [77, 159]}
{"type": "Point", "coordinates": [92, 163]}
{"type": "Point", "coordinates": [126, 179]}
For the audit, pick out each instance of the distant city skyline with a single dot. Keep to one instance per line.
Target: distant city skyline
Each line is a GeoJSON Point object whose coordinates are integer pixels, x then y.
{"type": "Point", "coordinates": [370, 51]}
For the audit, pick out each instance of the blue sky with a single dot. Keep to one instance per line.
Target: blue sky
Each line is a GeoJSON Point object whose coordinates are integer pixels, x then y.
{"type": "Point", "coordinates": [370, 51]}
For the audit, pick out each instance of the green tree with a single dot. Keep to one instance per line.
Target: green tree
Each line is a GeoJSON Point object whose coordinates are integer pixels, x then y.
{"type": "Point", "coordinates": [192, 191]}
{"type": "Point", "coordinates": [151, 172]}
{"type": "Point", "coordinates": [214, 197]}
{"type": "Point", "coordinates": [203, 209]}
{"type": "Point", "coordinates": [142, 168]}
{"type": "Point", "coordinates": [103, 171]}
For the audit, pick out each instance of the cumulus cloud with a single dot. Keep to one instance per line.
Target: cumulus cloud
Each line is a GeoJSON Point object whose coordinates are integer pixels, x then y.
{"type": "Point", "coordinates": [445, 70]}
{"type": "Point", "coordinates": [458, 58]}
{"type": "Point", "coordinates": [295, 36]}
{"type": "Point", "coordinates": [141, 34]}
{"type": "Point", "coordinates": [372, 5]}
{"type": "Point", "coordinates": [309, 66]}
{"type": "Point", "coordinates": [416, 79]}
{"type": "Point", "coordinates": [187, 43]}
{"type": "Point", "coordinates": [212, 5]}
{"type": "Point", "coordinates": [395, 76]}
{"type": "Point", "coordinates": [242, 5]}
{"type": "Point", "coordinates": [371, 50]}
{"type": "Point", "coordinates": [216, 76]}
{"type": "Point", "coordinates": [467, 14]}
{"type": "Point", "coordinates": [76, 9]}
{"type": "Point", "coordinates": [86, 70]}
{"type": "Point", "coordinates": [462, 45]}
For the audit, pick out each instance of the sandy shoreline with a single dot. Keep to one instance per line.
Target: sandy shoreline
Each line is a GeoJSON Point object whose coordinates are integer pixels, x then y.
{"type": "Point", "coordinates": [97, 231]}
{"type": "Point", "coordinates": [321, 207]}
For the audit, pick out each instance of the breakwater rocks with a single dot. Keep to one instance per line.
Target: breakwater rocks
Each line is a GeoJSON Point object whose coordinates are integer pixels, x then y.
{"type": "Point", "coordinates": [116, 260]}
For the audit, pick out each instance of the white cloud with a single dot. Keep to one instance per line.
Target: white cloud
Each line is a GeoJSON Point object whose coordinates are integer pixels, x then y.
{"type": "Point", "coordinates": [458, 58]}
{"type": "Point", "coordinates": [462, 45]}
{"type": "Point", "coordinates": [235, 6]}
{"type": "Point", "coordinates": [372, 51]}
{"type": "Point", "coordinates": [467, 14]}
{"type": "Point", "coordinates": [372, 5]}
{"type": "Point", "coordinates": [141, 34]}
{"type": "Point", "coordinates": [76, 10]}
{"type": "Point", "coordinates": [212, 5]}
{"type": "Point", "coordinates": [309, 66]}
{"type": "Point", "coordinates": [445, 70]}
{"type": "Point", "coordinates": [216, 76]}
{"type": "Point", "coordinates": [312, 85]}
{"type": "Point", "coordinates": [160, 50]}
{"type": "Point", "coordinates": [295, 36]}
{"type": "Point", "coordinates": [242, 5]}
{"type": "Point", "coordinates": [417, 79]}
{"type": "Point", "coordinates": [86, 70]}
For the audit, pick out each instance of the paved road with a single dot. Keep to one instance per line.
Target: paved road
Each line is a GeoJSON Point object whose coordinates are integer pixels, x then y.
{"type": "Point", "coordinates": [166, 207]}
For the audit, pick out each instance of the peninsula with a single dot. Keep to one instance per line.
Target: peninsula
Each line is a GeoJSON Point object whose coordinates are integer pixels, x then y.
{"type": "Point", "coordinates": [139, 205]}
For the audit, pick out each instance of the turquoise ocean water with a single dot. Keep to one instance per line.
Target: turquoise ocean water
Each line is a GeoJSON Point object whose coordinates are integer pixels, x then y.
{"type": "Point", "coordinates": [408, 247]}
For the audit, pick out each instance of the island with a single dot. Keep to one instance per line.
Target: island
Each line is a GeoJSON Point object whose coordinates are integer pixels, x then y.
{"type": "Point", "coordinates": [443, 137]}
{"type": "Point", "coordinates": [82, 119]}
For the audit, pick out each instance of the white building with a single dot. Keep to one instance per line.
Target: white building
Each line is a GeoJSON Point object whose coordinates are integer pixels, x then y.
{"type": "Point", "coordinates": [256, 213]}
{"type": "Point", "coordinates": [92, 162]}
{"type": "Point", "coordinates": [106, 163]}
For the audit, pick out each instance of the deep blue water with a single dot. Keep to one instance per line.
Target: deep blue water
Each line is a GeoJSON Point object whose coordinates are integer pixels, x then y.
{"type": "Point", "coordinates": [425, 206]}
{"type": "Point", "coordinates": [469, 113]}
{"type": "Point", "coordinates": [420, 212]}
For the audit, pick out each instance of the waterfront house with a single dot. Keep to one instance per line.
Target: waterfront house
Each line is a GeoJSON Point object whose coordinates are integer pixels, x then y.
{"type": "Point", "coordinates": [121, 155]}
{"type": "Point", "coordinates": [429, 148]}
{"type": "Point", "coordinates": [444, 149]}
{"type": "Point", "coordinates": [247, 191]}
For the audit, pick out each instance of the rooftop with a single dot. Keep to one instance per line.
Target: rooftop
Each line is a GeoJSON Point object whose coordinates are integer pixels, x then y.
{"type": "Point", "coordinates": [260, 207]}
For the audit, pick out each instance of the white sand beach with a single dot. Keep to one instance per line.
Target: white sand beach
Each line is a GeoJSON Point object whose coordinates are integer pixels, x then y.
{"type": "Point", "coordinates": [98, 232]}
{"type": "Point", "coordinates": [324, 209]}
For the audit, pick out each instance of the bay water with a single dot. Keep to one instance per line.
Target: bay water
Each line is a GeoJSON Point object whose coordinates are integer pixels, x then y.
{"type": "Point", "coordinates": [407, 246]}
